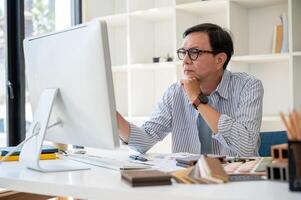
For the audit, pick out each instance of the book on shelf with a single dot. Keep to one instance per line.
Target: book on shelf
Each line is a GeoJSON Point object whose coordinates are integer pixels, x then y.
{"type": "Point", "coordinates": [45, 149]}
{"type": "Point", "coordinates": [284, 21]}
{"type": "Point", "coordinates": [280, 36]}
{"type": "Point", "coordinates": [44, 156]}
{"type": "Point", "coordinates": [277, 38]}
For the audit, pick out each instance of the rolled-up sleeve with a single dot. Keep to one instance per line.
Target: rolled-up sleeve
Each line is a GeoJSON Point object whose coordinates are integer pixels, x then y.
{"type": "Point", "coordinates": [156, 128]}
{"type": "Point", "coordinates": [240, 133]}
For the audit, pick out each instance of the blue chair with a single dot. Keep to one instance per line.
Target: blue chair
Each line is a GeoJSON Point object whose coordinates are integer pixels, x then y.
{"type": "Point", "coordinates": [269, 139]}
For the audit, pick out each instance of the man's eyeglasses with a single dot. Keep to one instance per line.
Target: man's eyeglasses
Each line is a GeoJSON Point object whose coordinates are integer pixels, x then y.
{"type": "Point", "coordinates": [193, 53]}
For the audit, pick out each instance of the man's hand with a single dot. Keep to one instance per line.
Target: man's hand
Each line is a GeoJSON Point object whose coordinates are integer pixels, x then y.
{"type": "Point", "coordinates": [192, 88]}
{"type": "Point", "coordinates": [124, 128]}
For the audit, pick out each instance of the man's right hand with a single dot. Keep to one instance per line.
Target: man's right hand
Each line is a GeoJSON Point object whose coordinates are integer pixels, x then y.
{"type": "Point", "coordinates": [123, 127]}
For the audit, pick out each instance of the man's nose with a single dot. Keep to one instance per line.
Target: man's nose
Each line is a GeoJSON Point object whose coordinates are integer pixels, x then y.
{"type": "Point", "coordinates": [187, 59]}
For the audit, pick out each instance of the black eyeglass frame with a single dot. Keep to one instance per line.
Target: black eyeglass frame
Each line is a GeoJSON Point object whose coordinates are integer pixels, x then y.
{"type": "Point", "coordinates": [196, 50]}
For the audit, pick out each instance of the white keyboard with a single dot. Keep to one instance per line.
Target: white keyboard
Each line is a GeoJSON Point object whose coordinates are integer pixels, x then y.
{"type": "Point", "coordinates": [106, 162]}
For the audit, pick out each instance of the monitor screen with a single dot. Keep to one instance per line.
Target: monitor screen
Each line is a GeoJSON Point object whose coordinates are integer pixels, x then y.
{"type": "Point", "coordinates": [77, 62]}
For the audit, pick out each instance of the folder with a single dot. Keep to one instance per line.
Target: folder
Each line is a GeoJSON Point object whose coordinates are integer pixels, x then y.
{"type": "Point", "coordinates": [46, 149]}
{"type": "Point", "coordinates": [47, 156]}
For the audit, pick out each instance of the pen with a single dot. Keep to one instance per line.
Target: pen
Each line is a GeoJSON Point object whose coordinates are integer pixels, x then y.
{"type": "Point", "coordinates": [140, 158]}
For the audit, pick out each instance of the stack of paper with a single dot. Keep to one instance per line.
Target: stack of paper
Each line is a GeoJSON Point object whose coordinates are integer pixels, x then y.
{"type": "Point", "coordinates": [207, 171]}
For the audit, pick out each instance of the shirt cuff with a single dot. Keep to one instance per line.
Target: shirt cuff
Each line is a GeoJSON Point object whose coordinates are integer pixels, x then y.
{"type": "Point", "coordinates": [137, 139]}
{"type": "Point", "coordinates": [224, 130]}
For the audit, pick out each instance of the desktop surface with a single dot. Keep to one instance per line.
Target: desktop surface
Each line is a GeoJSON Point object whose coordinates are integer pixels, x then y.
{"type": "Point", "coordinates": [104, 183]}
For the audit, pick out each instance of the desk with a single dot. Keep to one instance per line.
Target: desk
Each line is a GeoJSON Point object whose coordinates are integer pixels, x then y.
{"type": "Point", "coordinates": [100, 183]}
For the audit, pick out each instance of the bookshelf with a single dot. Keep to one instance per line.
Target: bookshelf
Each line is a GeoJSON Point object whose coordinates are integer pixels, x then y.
{"type": "Point", "coordinates": [142, 29]}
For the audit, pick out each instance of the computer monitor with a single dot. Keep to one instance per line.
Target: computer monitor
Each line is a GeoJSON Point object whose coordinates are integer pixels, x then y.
{"type": "Point", "coordinates": [71, 91]}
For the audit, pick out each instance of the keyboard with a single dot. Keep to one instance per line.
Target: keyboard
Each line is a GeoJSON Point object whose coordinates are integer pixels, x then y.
{"type": "Point", "coordinates": [109, 163]}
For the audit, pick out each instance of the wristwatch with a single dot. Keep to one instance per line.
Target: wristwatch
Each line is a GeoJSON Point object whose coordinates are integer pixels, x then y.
{"type": "Point", "coordinates": [200, 99]}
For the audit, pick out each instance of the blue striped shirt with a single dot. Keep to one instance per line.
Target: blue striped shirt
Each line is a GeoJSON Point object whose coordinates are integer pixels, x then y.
{"type": "Point", "coordinates": [238, 98]}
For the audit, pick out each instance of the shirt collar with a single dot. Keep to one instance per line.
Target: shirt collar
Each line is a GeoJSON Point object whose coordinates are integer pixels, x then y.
{"type": "Point", "coordinates": [222, 88]}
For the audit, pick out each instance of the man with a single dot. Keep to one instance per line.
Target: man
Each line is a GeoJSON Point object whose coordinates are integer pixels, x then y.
{"type": "Point", "coordinates": [212, 111]}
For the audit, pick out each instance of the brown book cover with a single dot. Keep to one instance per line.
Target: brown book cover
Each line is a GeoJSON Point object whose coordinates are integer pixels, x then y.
{"type": "Point", "coordinates": [134, 184]}
{"type": "Point", "coordinates": [146, 177]}
{"type": "Point", "coordinates": [279, 36]}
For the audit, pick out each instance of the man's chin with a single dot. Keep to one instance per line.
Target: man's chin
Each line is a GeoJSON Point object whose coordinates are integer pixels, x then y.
{"type": "Point", "coordinates": [190, 76]}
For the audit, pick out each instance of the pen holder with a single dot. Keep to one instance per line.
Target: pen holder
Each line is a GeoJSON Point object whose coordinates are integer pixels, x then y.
{"type": "Point", "coordinates": [294, 160]}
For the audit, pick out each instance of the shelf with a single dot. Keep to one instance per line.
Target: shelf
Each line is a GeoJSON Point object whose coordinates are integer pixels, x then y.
{"type": "Point", "coordinates": [258, 3]}
{"type": "Point", "coordinates": [267, 58]}
{"type": "Point", "coordinates": [271, 119]}
{"type": "Point", "coordinates": [298, 53]}
{"type": "Point", "coordinates": [154, 14]}
{"type": "Point", "coordinates": [203, 7]}
{"type": "Point", "coordinates": [136, 5]}
{"type": "Point", "coordinates": [156, 66]}
{"type": "Point", "coordinates": [272, 123]}
{"type": "Point", "coordinates": [119, 68]}
{"type": "Point", "coordinates": [115, 20]}
{"type": "Point", "coordinates": [152, 66]}
{"type": "Point", "coordinates": [142, 29]}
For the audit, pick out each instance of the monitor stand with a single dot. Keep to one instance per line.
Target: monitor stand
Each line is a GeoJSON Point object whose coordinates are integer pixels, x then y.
{"type": "Point", "coordinates": [30, 154]}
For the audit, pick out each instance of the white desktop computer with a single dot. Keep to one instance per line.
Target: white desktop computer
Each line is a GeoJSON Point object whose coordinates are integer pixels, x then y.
{"type": "Point", "coordinates": [71, 92]}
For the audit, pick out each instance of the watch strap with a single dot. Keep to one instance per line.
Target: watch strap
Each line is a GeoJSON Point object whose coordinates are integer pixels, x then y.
{"type": "Point", "coordinates": [200, 99]}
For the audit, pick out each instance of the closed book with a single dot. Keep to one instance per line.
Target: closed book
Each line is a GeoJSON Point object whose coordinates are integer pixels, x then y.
{"type": "Point", "coordinates": [48, 156]}
{"type": "Point", "coordinates": [279, 38]}
{"type": "Point", "coordinates": [45, 149]}
{"type": "Point", "coordinates": [146, 178]}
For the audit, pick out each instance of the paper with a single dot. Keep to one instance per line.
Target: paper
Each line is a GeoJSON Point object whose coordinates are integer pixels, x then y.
{"type": "Point", "coordinates": [165, 162]}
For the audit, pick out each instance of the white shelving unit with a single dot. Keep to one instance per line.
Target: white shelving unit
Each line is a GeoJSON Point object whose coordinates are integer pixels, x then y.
{"type": "Point", "coordinates": [142, 29]}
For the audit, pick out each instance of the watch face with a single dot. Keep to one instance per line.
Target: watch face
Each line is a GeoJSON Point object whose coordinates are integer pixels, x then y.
{"type": "Point", "coordinates": [203, 98]}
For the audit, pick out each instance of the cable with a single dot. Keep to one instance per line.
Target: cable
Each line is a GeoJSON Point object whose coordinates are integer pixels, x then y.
{"type": "Point", "coordinates": [36, 130]}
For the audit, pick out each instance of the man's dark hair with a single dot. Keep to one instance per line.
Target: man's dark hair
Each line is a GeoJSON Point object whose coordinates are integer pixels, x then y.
{"type": "Point", "coordinates": [220, 39]}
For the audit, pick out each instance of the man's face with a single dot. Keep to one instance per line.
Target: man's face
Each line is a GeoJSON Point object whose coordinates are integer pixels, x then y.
{"type": "Point", "coordinates": [205, 64]}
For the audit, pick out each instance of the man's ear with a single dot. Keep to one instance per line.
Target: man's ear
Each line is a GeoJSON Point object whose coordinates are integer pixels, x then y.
{"type": "Point", "coordinates": [220, 59]}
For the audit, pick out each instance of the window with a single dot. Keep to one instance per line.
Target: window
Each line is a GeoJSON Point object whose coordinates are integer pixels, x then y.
{"type": "Point", "coordinates": [43, 16]}
{"type": "Point", "coordinates": [2, 76]}
{"type": "Point", "coordinates": [40, 16]}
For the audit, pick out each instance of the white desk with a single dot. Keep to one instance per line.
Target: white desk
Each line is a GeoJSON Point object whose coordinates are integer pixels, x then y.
{"type": "Point", "coordinates": [100, 183]}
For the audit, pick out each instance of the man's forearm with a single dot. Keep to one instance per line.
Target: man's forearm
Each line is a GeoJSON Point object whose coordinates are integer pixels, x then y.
{"type": "Point", "coordinates": [123, 127]}
{"type": "Point", "coordinates": [210, 115]}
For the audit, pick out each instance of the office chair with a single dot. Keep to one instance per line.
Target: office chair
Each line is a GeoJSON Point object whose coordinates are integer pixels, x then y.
{"type": "Point", "coordinates": [269, 139]}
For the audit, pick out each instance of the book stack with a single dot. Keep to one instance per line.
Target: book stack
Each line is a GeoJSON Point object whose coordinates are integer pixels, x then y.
{"type": "Point", "coordinates": [48, 153]}
{"type": "Point", "coordinates": [146, 177]}
{"type": "Point", "coordinates": [207, 170]}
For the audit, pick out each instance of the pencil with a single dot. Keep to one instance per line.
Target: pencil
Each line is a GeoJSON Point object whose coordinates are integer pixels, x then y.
{"type": "Point", "coordinates": [296, 118]}
{"type": "Point", "coordinates": [289, 131]}
{"type": "Point", "coordinates": [293, 126]}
